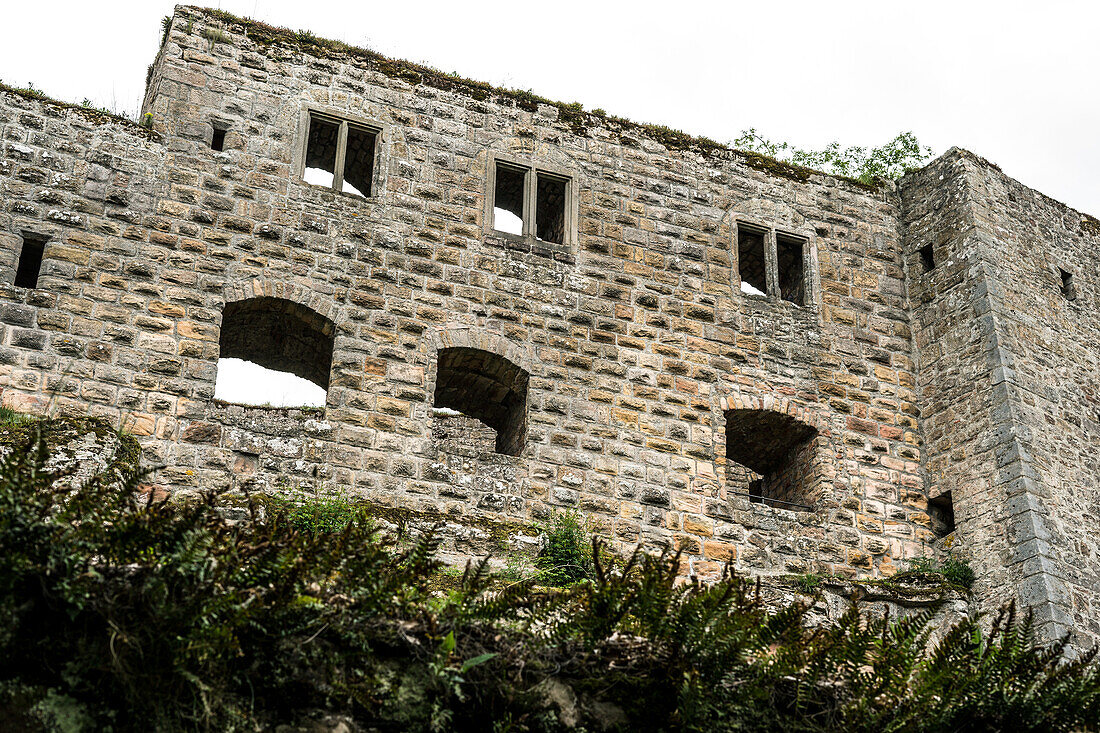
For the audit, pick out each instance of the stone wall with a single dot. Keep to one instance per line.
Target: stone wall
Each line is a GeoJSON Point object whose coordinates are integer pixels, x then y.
{"type": "Point", "coordinates": [609, 360]}
{"type": "Point", "coordinates": [635, 340]}
{"type": "Point", "coordinates": [1008, 371]}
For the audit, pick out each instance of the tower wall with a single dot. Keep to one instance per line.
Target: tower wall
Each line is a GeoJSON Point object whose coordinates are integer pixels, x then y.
{"type": "Point", "coordinates": [1008, 369]}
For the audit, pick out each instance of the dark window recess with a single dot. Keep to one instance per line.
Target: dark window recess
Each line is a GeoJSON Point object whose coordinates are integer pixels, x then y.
{"type": "Point", "coordinates": [280, 335]}
{"type": "Point", "coordinates": [927, 258]}
{"type": "Point", "coordinates": [941, 510]}
{"type": "Point", "coordinates": [359, 161]}
{"type": "Point", "coordinates": [324, 136]}
{"type": "Point", "coordinates": [30, 261]}
{"type": "Point", "coordinates": [1069, 291]}
{"type": "Point", "coordinates": [756, 491]}
{"type": "Point", "coordinates": [218, 141]}
{"type": "Point", "coordinates": [791, 255]}
{"type": "Point", "coordinates": [508, 199]}
{"type": "Point", "coordinates": [750, 261]}
{"type": "Point", "coordinates": [488, 388]}
{"type": "Point", "coordinates": [550, 208]}
{"type": "Point", "coordinates": [773, 458]}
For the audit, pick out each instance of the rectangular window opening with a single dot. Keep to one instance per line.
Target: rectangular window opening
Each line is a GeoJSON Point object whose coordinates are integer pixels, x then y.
{"type": "Point", "coordinates": [927, 258]}
{"type": "Point", "coordinates": [359, 161]}
{"type": "Point", "coordinates": [324, 136]}
{"type": "Point", "coordinates": [508, 199]}
{"type": "Point", "coordinates": [1069, 292]}
{"type": "Point", "coordinates": [941, 510]}
{"type": "Point", "coordinates": [791, 256]}
{"type": "Point", "coordinates": [217, 142]}
{"type": "Point", "coordinates": [30, 261]}
{"type": "Point", "coordinates": [550, 208]}
{"type": "Point", "coordinates": [751, 261]}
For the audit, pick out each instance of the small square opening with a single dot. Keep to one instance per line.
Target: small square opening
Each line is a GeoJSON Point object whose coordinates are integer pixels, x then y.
{"type": "Point", "coordinates": [324, 135]}
{"type": "Point", "coordinates": [791, 254]}
{"type": "Point", "coordinates": [550, 208]}
{"type": "Point", "coordinates": [217, 142]}
{"type": "Point", "coordinates": [941, 510]}
{"type": "Point", "coordinates": [751, 261]}
{"type": "Point", "coordinates": [30, 261]}
{"type": "Point", "coordinates": [927, 258]}
{"type": "Point", "coordinates": [1069, 291]}
{"type": "Point", "coordinates": [508, 199]}
{"type": "Point", "coordinates": [359, 161]}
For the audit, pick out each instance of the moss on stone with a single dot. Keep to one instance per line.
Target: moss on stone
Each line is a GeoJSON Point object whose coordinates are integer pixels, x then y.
{"type": "Point", "coordinates": [572, 115]}
{"type": "Point", "coordinates": [93, 115]}
{"type": "Point", "coordinates": [1090, 225]}
{"type": "Point", "coordinates": [500, 531]}
{"type": "Point", "coordinates": [59, 431]}
{"type": "Point", "coordinates": [907, 586]}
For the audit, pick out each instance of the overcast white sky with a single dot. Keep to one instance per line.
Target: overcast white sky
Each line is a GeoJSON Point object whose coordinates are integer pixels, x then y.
{"type": "Point", "coordinates": [1015, 82]}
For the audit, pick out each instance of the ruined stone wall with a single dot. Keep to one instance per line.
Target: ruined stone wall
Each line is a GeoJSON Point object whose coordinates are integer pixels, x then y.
{"type": "Point", "coordinates": [962, 394]}
{"type": "Point", "coordinates": [1052, 362]}
{"type": "Point", "coordinates": [90, 338]}
{"type": "Point", "coordinates": [1008, 369]}
{"type": "Point", "coordinates": [634, 334]}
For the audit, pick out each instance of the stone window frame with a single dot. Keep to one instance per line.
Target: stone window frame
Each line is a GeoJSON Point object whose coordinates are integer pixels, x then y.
{"type": "Point", "coordinates": [532, 167]}
{"type": "Point", "coordinates": [824, 443]}
{"type": "Point", "coordinates": [810, 285]}
{"type": "Point", "coordinates": [218, 124]}
{"type": "Point", "coordinates": [381, 143]}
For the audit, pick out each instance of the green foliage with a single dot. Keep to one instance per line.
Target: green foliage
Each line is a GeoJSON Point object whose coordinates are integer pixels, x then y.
{"type": "Point", "coordinates": [958, 572]}
{"type": "Point", "coordinates": [809, 582]}
{"type": "Point", "coordinates": [317, 514]}
{"type": "Point", "coordinates": [567, 556]}
{"type": "Point", "coordinates": [215, 35]}
{"type": "Point", "coordinates": [868, 165]}
{"type": "Point", "coordinates": [9, 417]}
{"type": "Point", "coordinates": [126, 615]}
{"type": "Point", "coordinates": [954, 570]}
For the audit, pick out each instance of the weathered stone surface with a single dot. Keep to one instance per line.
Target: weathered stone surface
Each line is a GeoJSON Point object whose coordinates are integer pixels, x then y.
{"type": "Point", "coordinates": [609, 361]}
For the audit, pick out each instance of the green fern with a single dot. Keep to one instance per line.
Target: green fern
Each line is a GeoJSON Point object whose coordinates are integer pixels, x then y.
{"type": "Point", "coordinates": [151, 615]}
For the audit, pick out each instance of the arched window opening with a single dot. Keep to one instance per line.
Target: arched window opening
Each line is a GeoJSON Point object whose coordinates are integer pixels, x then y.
{"type": "Point", "coordinates": [274, 353]}
{"type": "Point", "coordinates": [773, 458]}
{"type": "Point", "coordinates": [488, 388]}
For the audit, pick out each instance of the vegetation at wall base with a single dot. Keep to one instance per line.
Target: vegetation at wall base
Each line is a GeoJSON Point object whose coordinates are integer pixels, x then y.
{"type": "Point", "coordinates": [954, 570]}
{"type": "Point", "coordinates": [120, 614]}
{"type": "Point", "coordinates": [567, 555]}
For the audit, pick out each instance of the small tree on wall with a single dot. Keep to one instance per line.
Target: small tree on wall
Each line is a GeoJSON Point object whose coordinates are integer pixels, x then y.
{"type": "Point", "coordinates": [889, 161]}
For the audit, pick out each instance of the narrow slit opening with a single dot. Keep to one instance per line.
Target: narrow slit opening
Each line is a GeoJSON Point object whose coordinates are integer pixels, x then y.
{"type": "Point", "coordinates": [941, 510]}
{"type": "Point", "coordinates": [30, 261]}
{"type": "Point", "coordinates": [1069, 292]}
{"type": "Point", "coordinates": [927, 258]}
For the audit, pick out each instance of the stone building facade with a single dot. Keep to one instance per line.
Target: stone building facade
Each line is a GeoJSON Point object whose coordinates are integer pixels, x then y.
{"type": "Point", "coordinates": [518, 307]}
